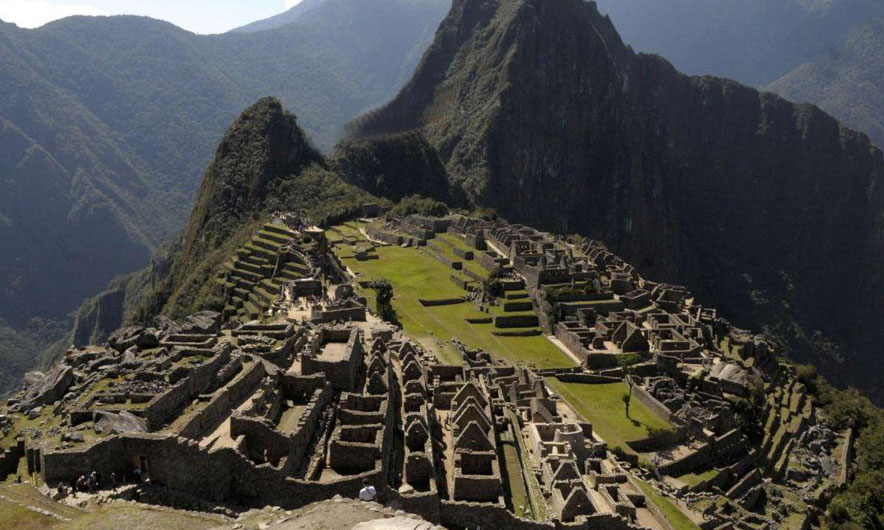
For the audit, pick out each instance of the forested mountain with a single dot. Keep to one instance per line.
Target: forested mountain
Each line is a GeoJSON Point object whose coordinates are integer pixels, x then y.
{"type": "Point", "coordinates": [281, 19]}
{"type": "Point", "coordinates": [107, 124]}
{"type": "Point", "coordinates": [848, 81]}
{"type": "Point", "coordinates": [771, 211]}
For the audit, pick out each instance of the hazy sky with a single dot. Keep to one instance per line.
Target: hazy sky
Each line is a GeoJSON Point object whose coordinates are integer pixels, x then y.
{"type": "Point", "coordinates": [199, 16]}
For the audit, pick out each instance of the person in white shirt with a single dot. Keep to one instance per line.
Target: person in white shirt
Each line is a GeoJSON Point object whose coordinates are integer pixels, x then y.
{"type": "Point", "coordinates": [367, 493]}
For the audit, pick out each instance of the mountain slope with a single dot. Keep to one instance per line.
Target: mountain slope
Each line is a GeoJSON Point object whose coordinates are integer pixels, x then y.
{"type": "Point", "coordinates": [848, 82]}
{"type": "Point", "coordinates": [542, 113]}
{"type": "Point", "coordinates": [108, 123]}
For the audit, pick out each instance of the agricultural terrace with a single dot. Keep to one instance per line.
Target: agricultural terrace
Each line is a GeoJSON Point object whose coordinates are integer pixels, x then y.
{"type": "Point", "coordinates": [602, 405]}
{"type": "Point", "coordinates": [415, 274]}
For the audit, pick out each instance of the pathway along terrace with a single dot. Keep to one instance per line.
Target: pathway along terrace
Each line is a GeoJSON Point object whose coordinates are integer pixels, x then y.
{"type": "Point", "coordinates": [468, 414]}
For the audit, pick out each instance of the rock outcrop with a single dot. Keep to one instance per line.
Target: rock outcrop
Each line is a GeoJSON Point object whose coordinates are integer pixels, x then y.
{"type": "Point", "coordinates": [50, 388]}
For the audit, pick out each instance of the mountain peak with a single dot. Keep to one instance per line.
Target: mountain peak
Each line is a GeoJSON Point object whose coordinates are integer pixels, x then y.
{"type": "Point", "coordinates": [264, 144]}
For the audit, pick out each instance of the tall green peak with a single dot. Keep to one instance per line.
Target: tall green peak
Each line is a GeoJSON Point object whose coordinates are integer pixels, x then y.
{"type": "Point", "coordinates": [263, 146]}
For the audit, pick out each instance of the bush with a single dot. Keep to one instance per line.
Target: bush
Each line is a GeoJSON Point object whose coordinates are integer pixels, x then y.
{"type": "Point", "coordinates": [384, 299]}
{"type": "Point", "coordinates": [420, 206]}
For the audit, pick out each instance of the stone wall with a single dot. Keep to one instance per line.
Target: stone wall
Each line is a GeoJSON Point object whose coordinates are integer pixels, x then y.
{"type": "Point", "coordinates": [165, 405]}
{"type": "Point", "coordinates": [439, 256]}
{"type": "Point", "coordinates": [463, 283]}
{"type": "Point", "coordinates": [216, 475]}
{"type": "Point", "coordinates": [490, 261]}
{"type": "Point", "coordinates": [383, 236]}
{"type": "Point", "coordinates": [9, 459]}
{"type": "Point", "coordinates": [515, 321]}
{"type": "Point", "coordinates": [587, 378]}
{"type": "Point", "coordinates": [263, 443]}
{"type": "Point", "coordinates": [442, 301]}
{"type": "Point", "coordinates": [699, 458]}
{"type": "Point", "coordinates": [652, 403]}
{"type": "Point", "coordinates": [221, 405]}
{"type": "Point", "coordinates": [346, 314]}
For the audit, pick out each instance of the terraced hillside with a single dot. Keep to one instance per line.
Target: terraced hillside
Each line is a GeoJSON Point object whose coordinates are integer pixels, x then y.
{"type": "Point", "coordinates": [789, 412]}
{"type": "Point", "coordinates": [253, 278]}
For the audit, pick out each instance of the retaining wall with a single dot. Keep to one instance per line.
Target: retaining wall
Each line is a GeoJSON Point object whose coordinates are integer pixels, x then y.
{"type": "Point", "coordinates": [222, 404]}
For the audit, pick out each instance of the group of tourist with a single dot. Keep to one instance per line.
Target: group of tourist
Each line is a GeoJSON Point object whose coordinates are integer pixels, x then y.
{"type": "Point", "coordinates": [92, 483]}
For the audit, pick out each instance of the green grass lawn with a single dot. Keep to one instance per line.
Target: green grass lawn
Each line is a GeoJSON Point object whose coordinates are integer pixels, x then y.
{"type": "Point", "coordinates": [343, 231]}
{"type": "Point", "coordinates": [602, 406]}
{"type": "Point", "coordinates": [692, 479]}
{"type": "Point", "coordinates": [673, 514]}
{"type": "Point", "coordinates": [457, 242]}
{"type": "Point", "coordinates": [518, 493]}
{"type": "Point", "coordinates": [416, 275]}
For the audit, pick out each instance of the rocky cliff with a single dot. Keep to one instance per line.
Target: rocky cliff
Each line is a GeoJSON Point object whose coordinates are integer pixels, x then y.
{"type": "Point", "coordinates": [770, 210]}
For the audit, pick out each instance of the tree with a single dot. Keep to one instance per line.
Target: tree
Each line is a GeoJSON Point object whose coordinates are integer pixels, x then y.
{"type": "Point", "coordinates": [627, 396]}
{"type": "Point", "coordinates": [384, 299]}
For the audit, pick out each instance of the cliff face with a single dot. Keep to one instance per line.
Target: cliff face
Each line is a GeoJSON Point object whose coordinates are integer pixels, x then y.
{"type": "Point", "coordinates": [770, 210]}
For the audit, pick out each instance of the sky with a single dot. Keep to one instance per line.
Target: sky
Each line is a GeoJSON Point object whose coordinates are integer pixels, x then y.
{"type": "Point", "coordinates": [198, 16]}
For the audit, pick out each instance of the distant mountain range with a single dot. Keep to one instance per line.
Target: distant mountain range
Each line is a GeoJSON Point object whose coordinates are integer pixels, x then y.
{"type": "Point", "coordinates": [106, 125]}
{"type": "Point", "coordinates": [847, 81]}
{"type": "Point", "coordinates": [825, 52]}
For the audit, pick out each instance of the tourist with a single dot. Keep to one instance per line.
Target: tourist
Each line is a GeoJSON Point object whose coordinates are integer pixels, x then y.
{"type": "Point", "coordinates": [113, 478]}
{"type": "Point", "coordinates": [367, 493]}
{"type": "Point", "coordinates": [136, 473]}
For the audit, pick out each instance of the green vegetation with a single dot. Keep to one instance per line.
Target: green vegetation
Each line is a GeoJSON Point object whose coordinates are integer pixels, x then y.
{"type": "Point", "coordinates": [602, 406]}
{"type": "Point", "coordinates": [673, 514]}
{"type": "Point", "coordinates": [383, 291]}
{"type": "Point", "coordinates": [418, 205]}
{"type": "Point", "coordinates": [861, 503]}
{"type": "Point", "coordinates": [19, 348]}
{"type": "Point", "coordinates": [515, 482]}
{"type": "Point", "coordinates": [415, 274]}
{"type": "Point", "coordinates": [692, 479]}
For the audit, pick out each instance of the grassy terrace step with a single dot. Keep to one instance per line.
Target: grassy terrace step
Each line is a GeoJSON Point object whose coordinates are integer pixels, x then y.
{"type": "Point", "coordinates": [269, 285]}
{"type": "Point", "coordinates": [265, 244]}
{"type": "Point", "coordinates": [248, 275]}
{"type": "Point", "coordinates": [516, 295]}
{"type": "Point", "coordinates": [251, 311]}
{"type": "Point", "coordinates": [261, 252]}
{"type": "Point", "coordinates": [263, 270]}
{"type": "Point", "coordinates": [297, 268]}
{"type": "Point", "coordinates": [241, 293]}
{"type": "Point", "coordinates": [286, 275]}
{"type": "Point", "coordinates": [243, 283]}
{"type": "Point", "coordinates": [281, 230]}
{"type": "Point", "coordinates": [274, 237]}
{"type": "Point", "coordinates": [255, 259]}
